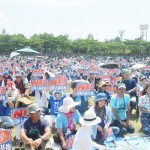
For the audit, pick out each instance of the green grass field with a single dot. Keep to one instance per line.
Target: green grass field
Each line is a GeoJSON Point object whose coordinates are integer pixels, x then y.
{"type": "Point", "coordinates": [136, 122]}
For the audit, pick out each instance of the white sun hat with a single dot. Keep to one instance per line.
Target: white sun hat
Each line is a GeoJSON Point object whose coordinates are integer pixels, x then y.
{"type": "Point", "coordinates": [68, 103]}
{"type": "Point", "coordinates": [90, 118]}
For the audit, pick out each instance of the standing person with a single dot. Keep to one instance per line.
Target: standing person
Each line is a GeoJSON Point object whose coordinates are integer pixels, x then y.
{"type": "Point", "coordinates": [144, 104]}
{"type": "Point", "coordinates": [83, 140]}
{"type": "Point", "coordinates": [35, 132]}
{"type": "Point", "coordinates": [120, 105]}
{"type": "Point", "coordinates": [66, 121]}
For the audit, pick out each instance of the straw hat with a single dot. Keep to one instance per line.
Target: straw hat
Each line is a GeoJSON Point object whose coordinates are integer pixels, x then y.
{"type": "Point", "coordinates": [25, 100]}
{"type": "Point", "coordinates": [90, 118]}
{"type": "Point", "coordinates": [68, 103]}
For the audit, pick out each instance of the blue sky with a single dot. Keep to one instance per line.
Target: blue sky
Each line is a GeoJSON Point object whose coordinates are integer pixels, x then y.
{"type": "Point", "coordinates": [77, 18]}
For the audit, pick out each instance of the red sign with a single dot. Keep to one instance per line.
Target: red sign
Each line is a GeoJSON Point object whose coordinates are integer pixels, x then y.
{"type": "Point", "coordinates": [85, 87]}
{"type": "Point", "coordinates": [57, 81]}
{"type": "Point", "coordinates": [38, 71]}
{"type": "Point", "coordinates": [5, 136]}
{"type": "Point", "coordinates": [19, 113]}
{"type": "Point", "coordinates": [37, 83]}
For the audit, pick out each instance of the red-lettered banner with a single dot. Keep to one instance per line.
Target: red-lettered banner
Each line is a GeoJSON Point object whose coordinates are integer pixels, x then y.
{"type": "Point", "coordinates": [58, 83]}
{"type": "Point", "coordinates": [19, 115]}
{"type": "Point", "coordinates": [5, 140]}
{"type": "Point", "coordinates": [85, 89]}
{"type": "Point", "coordinates": [39, 84]}
{"type": "Point", "coordinates": [38, 72]}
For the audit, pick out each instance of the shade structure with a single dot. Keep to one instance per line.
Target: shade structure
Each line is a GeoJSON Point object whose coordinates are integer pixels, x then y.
{"type": "Point", "coordinates": [109, 66]}
{"type": "Point", "coordinates": [13, 54]}
{"type": "Point", "coordinates": [28, 50]}
{"type": "Point", "coordinates": [138, 66]}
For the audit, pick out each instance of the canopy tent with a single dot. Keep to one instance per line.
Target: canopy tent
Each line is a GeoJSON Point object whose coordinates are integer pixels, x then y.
{"type": "Point", "coordinates": [27, 49]}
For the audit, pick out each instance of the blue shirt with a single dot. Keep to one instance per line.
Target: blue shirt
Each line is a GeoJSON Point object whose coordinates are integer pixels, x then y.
{"type": "Point", "coordinates": [55, 104]}
{"type": "Point", "coordinates": [4, 111]}
{"type": "Point", "coordinates": [121, 106]}
{"type": "Point", "coordinates": [62, 121]}
{"type": "Point", "coordinates": [130, 84]}
{"type": "Point", "coordinates": [35, 130]}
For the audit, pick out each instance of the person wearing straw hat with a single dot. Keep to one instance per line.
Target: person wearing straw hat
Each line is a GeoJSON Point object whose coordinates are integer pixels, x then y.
{"type": "Point", "coordinates": [35, 132]}
{"type": "Point", "coordinates": [102, 89]}
{"type": "Point", "coordinates": [83, 140]}
{"type": "Point", "coordinates": [66, 121]}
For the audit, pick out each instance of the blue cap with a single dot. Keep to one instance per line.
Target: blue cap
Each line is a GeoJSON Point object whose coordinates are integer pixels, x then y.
{"type": "Point", "coordinates": [100, 96]}
{"type": "Point", "coordinates": [6, 72]}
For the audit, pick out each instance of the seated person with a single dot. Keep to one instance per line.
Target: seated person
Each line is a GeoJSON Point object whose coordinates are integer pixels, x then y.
{"type": "Point", "coordinates": [103, 112]}
{"type": "Point", "coordinates": [35, 132]}
{"type": "Point", "coordinates": [144, 104]}
{"type": "Point", "coordinates": [66, 121]}
{"type": "Point", "coordinates": [55, 101]}
{"type": "Point", "coordinates": [83, 140]}
{"type": "Point", "coordinates": [5, 106]}
{"type": "Point", "coordinates": [120, 104]}
{"type": "Point", "coordinates": [102, 89]}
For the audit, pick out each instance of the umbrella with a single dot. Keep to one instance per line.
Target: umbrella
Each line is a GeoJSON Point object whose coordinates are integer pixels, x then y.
{"type": "Point", "coordinates": [110, 66]}
{"type": "Point", "coordinates": [13, 54]}
{"type": "Point", "coordinates": [138, 66]}
{"type": "Point", "coordinates": [27, 49]}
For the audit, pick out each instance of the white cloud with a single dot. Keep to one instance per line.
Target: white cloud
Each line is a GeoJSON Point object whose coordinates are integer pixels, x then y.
{"type": "Point", "coordinates": [4, 20]}
{"type": "Point", "coordinates": [54, 3]}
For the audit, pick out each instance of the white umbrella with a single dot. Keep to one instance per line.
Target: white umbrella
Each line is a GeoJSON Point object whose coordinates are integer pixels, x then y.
{"type": "Point", "coordinates": [138, 66]}
{"type": "Point", "coordinates": [13, 54]}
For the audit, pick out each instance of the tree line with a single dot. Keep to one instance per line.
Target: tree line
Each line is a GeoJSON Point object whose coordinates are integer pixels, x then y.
{"type": "Point", "coordinates": [48, 43]}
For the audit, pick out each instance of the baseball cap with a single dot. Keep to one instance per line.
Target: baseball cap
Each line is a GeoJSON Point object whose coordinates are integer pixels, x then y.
{"type": "Point", "coordinates": [121, 85]}
{"type": "Point", "coordinates": [33, 108]}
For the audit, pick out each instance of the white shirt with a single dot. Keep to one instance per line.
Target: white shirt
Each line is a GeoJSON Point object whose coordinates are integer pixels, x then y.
{"type": "Point", "coordinates": [83, 140]}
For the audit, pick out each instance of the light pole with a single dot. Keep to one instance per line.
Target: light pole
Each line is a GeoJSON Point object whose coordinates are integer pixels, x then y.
{"type": "Point", "coordinates": [144, 28]}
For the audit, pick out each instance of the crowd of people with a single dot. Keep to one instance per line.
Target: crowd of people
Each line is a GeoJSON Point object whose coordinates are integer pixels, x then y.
{"type": "Point", "coordinates": [64, 113]}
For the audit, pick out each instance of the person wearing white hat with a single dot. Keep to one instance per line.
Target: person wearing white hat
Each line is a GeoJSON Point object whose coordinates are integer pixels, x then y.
{"type": "Point", "coordinates": [83, 140]}
{"type": "Point", "coordinates": [67, 119]}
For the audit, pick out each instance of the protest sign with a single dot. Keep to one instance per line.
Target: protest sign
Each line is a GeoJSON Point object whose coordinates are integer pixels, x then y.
{"type": "Point", "coordinates": [38, 72]}
{"type": "Point", "coordinates": [58, 83]}
{"type": "Point", "coordinates": [38, 84]}
{"type": "Point", "coordinates": [2, 92]}
{"type": "Point", "coordinates": [85, 89]}
{"type": "Point", "coordinates": [94, 70]}
{"type": "Point", "coordinates": [5, 140]}
{"type": "Point", "coordinates": [147, 68]}
{"type": "Point", "coordinates": [19, 115]}
{"type": "Point", "coordinates": [28, 65]}
{"type": "Point", "coordinates": [16, 65]}
{"type": "Point", "coordinates": [6, 65]}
